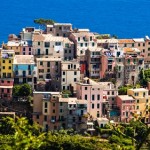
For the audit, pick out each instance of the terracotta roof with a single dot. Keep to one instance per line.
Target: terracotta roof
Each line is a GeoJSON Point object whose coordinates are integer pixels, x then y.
{"type": "Point", "coordinates": [128, 41]}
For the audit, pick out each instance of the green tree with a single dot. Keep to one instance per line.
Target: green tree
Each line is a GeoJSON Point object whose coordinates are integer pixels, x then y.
{"type": "Point", "coordinates": [25, 90]}
{"type": "Point", "coordinates": [22, 90]}
{"type": "Point", "coordinates": [44, 22]}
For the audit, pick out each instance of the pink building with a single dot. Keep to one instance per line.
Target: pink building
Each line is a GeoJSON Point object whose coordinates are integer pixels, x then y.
{"type": "Point", "coordinates": [92, 92]}
{"type": "Point", "coordinates": [26, 48]}
{"type": "Point", "coordinates": [6, 87]}
{"type": "Point", "coordinates": [126, 105]}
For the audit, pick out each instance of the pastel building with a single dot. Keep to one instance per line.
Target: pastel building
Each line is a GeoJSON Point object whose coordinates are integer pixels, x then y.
{"type": "Point", "coordinates": [134, 62]}
{"type": "Point", "coordinates": [83, 40]}
{"type": "Point", "coordinates": [6, 74]}
{"type": "Point", "coordinates": [6, 87]}
{"type": "Point", "coordinates": [23, 67]}
{"type": "Point", "coordinates": [126, 105]}
{"type": "Point", "coordinates": [142, 103]}
{"type": "Point", "coordinates": [111, 44]}
{"type": "Point", "coordinates": [54, 111]}
{"type": "Point", "coordinates": [92, 92]}
{"type": "Point", "coordinates": [47, 45]}
{"type": "Point", "coordinates": [45, 109]}
{"type": "Point", "coordinates": [59, 29]}
{"type": "Point", "coordinates": [48, 74]}
{"type": "Point", "coordinates": [70, 73]}
{"type": "Point", "coordinates": [93, 62]}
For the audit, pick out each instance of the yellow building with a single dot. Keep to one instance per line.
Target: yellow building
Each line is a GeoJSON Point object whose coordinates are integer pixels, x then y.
{"type": "Point", "coordinates": [14, 45]}
{"type": "Point", "coordinates": [142, 103]}
{"type": "Point", "coordinates": [6, 63]}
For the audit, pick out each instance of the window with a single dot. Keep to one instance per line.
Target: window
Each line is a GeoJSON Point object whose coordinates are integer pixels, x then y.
{"type": "Point", "coordinates": [29, 72]}
{"type": "Point", "coordinates": [9, 67]}
{"type": "Point", "coordinates": [137, 101]}
{"type": "Point", "coordinates": [132, 44]}
{"type": "Point", "coordinates": [63, 72]}
{"type": "Point", "coordinates": [125, 45]}
{"type": "Point", "coordinates": [38, 43]}
{"type": "Point", "coordinates": [112, 92]}
{"type": "Point", "coordinates": [90, 38]}
{"type": "Point", "coordinates": [53, 110]}
{"type": "Point", "coordinates": [8, 90]}
{"type": "Point", "coordinates": [147, 101]}
{"type": "Point", "coordinates": [93, 44]}
{"type": "Point", "coordinates": [92, 106]}
{"type": "Point", "coordinates": [37, 116]}
{"type": "Point", "coordinates": [97, 105]}
{"type": "Point", "coordinates": [85, 97]}
{"type": "Point", "coordinates": [65, 51]}
{"type": "Point", "coordinates": [81, 44]}
{"type": "Point", "coordinates": [3, 67]}
{"type": "Point", "coordinates": [47, 44]}
{"type": "Point", "coordinates": [41, 63]}
{"type": "Point", "coordinates": [3, 61]}
{"type": "Point", "coordinates": [60, 110]}
{"type": "Point", "coordinates": [143, 44]}
{"type": "Point", "coordinates": [137, 107]}
{"type": "Point", "coordinates": [58, 43]}
{"type": "Point", "coordinates": [45, 105]}
{"type": "Point", "coordinates": [63, 79]}
{"type": "Point", "coordinates": [98, 97]}
{"type": "Point", "coordinates": [29, 79]}
{"type": "Point", "coordinates": [75, 79]}
{"type": "Point", "coordinates": [85, 88]}
{"type": "Point", "coordinates": [53, 104]}
{"type": "Point", "coordinates": [24, 49]}
{"type": "Point", "coordinates": [108, 93]}
{"type": "Point", "coordinates": [48, 64]}
{"type": "Point", "coordinates": [75, 73]}
{"type": "Point", "coordinates": [29, 48]}
{"type": "Point", "coordinates": [86, 44]}
{"type": "Point", "coordinates": [93, 97]}
{"type": "Point", "coordinates": [78, 38]}
{"type": "Point", "coordinates": [69, 51]}
{"type": "Point", "coordinates": [74, 66]}
{"type": "Point", "coordinates": [45, 118]}
{"type": "Point", "coordinates": [61, 103]}
{"type": "Point", "coordinates": [138, 44]}
{"type": "Point", "coordinates": [149, 49]}
{"type": "Point", "coordinates": [143, 50]}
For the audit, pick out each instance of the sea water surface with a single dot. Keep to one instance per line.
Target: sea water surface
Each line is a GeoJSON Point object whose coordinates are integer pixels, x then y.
{"type": "Point", "coordinates": [124, 18]}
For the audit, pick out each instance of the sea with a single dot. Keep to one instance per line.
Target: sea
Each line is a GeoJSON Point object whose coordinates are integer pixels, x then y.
{"type": "Point", "coordinates": [124, 18]}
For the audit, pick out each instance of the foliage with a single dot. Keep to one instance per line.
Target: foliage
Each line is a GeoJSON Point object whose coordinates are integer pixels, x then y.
{"type": "Point", "coordinates": [123, 89]}
{"type": "Point", "coordinates": [66, 92]}
{"type": "Point", "coordinates": [44, 22]}
{"type": "Point", "coordinates": [144, 77]}
{"type": "Point", "coordinates": [103, 36]}
{"type": "Point", "coordinates": [30, 137]}
{"type": "Point", "coordinates": [22, 90]}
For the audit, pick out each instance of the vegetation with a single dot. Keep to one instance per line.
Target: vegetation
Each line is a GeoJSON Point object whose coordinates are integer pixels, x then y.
{"type": "Point", "coordinates": [123, 89]}
{"type": "Point", "coordinates": [44, 22]}
{"type": "Point", "coordinates": [144, 77]}
{"type": "Point", "coordinates": [20, 135]}
{"type": "Point", "coordinates": [23, 90]}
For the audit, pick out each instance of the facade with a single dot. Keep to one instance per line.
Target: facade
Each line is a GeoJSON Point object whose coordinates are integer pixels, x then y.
{"type": "Point", "coordinates": [45, 45]}
{"type": "Point", "coordinates": [23, 67]}
{"type": "Point", "coordinates": [49, 74]}
{"type": "Point", "coordinates": [83, 40]}
{"type": "Point", "coordinates": [142, 102]}
{"type": "Point", "coordinates": [92, 92]}
{"type": "Point", "coordinates": [54, 112]}
{"type": "Point", "coordinates": [59, 29]}
{"type": "Point", "coordinates": [134, 62]}
{"type": "Point", "coordinates": [93, 63]}
{"type": "Point", "coordinates": [126, 105]}
{"type": "Point", "coordinates": [45, 109]}
{"type": "Point", "coordinates": [6, 74]}
{"type": "Point", "coordinates": [70, 73]}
